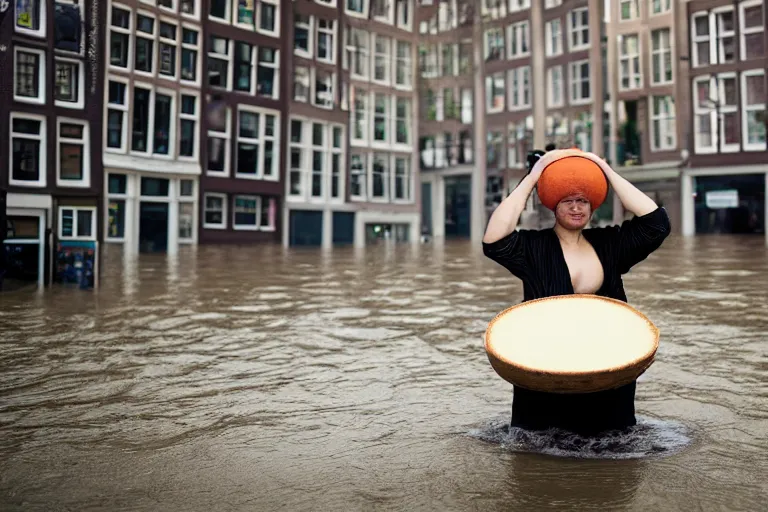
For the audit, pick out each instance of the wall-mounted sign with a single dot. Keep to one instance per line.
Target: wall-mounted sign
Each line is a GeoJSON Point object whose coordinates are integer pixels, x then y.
{"type": "Point", "coordinates": [718, 199]}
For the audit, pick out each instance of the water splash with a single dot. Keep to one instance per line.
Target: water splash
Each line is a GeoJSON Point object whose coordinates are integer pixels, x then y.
{"type": "Point", "coordinates": [650, 437]}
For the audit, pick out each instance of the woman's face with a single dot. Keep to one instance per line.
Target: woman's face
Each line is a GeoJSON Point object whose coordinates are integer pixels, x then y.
{"type": "Point", "coordinates": [573, 212]}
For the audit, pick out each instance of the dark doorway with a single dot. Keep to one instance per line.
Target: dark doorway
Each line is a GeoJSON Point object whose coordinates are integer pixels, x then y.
{"type": "Point", "coordinates": [426, 209]}
{"type": "Point", "coordinates": [306, 227]}
{"type": "Point", "coordinates": [343, 228]}
{"type": "Point", "coordinates": [458, 190]}
{"type": "Point", "coordinates": [730, 204]}
{"type": "Point", "coordinates": [153, 227]}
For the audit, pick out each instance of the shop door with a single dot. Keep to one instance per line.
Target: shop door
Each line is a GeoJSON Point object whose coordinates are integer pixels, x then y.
{"type": "Point", "coordinates": [153, 227]}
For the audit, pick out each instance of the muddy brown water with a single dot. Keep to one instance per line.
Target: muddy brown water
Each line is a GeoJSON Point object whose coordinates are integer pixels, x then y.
{"type": "Point", "coordinates": [258, 378]}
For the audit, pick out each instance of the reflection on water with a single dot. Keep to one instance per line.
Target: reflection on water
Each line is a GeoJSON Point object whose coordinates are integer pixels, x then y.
{"type": "Point", "coordinates": [258, 378]}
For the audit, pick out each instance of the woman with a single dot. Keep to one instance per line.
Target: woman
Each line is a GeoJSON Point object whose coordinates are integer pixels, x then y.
{"type": "Point", "coordinates": [569, 259]}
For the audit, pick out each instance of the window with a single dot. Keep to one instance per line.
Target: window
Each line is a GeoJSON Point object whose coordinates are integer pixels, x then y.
{"type": "Point", "coordinates": [190, 54]}
{"type": "Point", "coordinates": [752, 29]}
{"type": "Point", "coordinates": [428, 61]}
{"type": "Point", "coordinates": [219, 134]}
{"type": "Point", "coordinates": [630, 75]}
{"type": "Point", "coordinates": [117, 190]}
{"type": "Point", "coordinates": [301, 85]}
{"type": "Point", "coordinates": [381, 118]}
{"type": "Point", "coordinates": [628, 10]}
{"type": "Point", "coordinates": [73, 166]}
{"type": "Point", "coordinates": [357, 52]}
{"type": "Point", "coordinates": [144, 56]}
{"type": "Point", "coordinates": [326, 35]}
{"type": "Point", "coordinates": [519, 5]}
{"type": "Point", "coordinates": [220, 10]}
{"type": "Point", "coordinates": [358, 171]}
{"type": "Point", "coordinates": [402, 121]}
{"type": "Point", "coordinates": [256, 145]}
{"type": "Point", "coordinates": [29, 79]}
{"type": "Point", "coordinates": [753, 107]}
{"type": "Point", "coordinates": [581, 128]}
{"type": "Point", "coordinates": [579, 76]}
{"type": "Point", "coordinates": [663, 127]}
{"type": "Point", "coordinates": [267, 73]}
{"type": "Point", "coordinates": [189, 117]}
{"type": "Point", "coordinates": [30, 18]}
{"type": "Point", "coordinates": [68, 26]}
{"type": "Point", "coordinates": [323, 88]}
{"type": "Point", "coordinates": [403, 13]}
{"type": "Point", "coordinates": [219, 59]}
{"type": "Point", "coordinates": [316, 153]}
{"type": "Point", "coordinates": [120, 30]}
{"type": "Point", "coordinates": [660, 6]}
{"type": "Point", "coordinates": [302, 35]}
{"type": "Point", "coordinates": [382, 11]}
{"type": "Point", "coordinates": [554, 38]}
{"type": "Point", "coordinates": [467, 106]}
{"type": "Point", "coordinates": [246, 213]}
{"type": "Point", "coordinates": [359, 115]}
{"type": "Point", "coordinates": [380, 177]}
{"type": "Point", "coordinates": [269, 14]}
{"type": "Point", "coordinates": [713, 37]}
{"type": "Point", "coordinates": [555, 87]}
{"type": "Point", "coordinates": [27, 156]}
{"type": "Point", "coordinates": [214, 211]}
{"type": "Point", "coordinates": [167, 49]}
{"type": "Point", "coordinates": [578, 23]}
{"type": "Point", "coordinates": [494, 93]}
{"type": "Point", "coordinates": [549, 4]}
{"type": "Point", "coordinates": [152, 114]}
{"type": "Point", "coordinates": [117, 113]}
{"type": "Point", "coordinates": [661, 53]}
{"type": "Point", "coordinates": [716, 114]}
{"type": "Point", "coordinates": [69, 83]}
{"type": "Point", "coordinates": [187, 197]}
{"type": "Point", "coordinates": [357, 8]}
{"type": "Point", "coordinates": [403, 179]}
{"type": "Point", "coordinates": [520, 88]}
{"type": "Point", "coordinates": [519, 40]}
{"type": "Point", "coordinates": [403, 74]}
{"type": "Point", "coordinates": [494, 44]}
{"type": "Point", "coordinates": [77, 223]}
{"type": "Point", "coordinates": [381, 59]}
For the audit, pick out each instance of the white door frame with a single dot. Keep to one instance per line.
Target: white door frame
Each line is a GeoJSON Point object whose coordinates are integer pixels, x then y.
{"type": "Point", "coordinates": [42, 215]}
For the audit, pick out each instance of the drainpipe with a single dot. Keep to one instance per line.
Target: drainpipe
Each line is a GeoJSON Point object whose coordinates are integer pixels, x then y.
{"type": "Point", "coordinates": [477, 215]}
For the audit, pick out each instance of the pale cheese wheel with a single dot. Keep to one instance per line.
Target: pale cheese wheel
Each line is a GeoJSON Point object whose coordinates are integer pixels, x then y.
{"type": "Point", "coordinates": [571, 344]}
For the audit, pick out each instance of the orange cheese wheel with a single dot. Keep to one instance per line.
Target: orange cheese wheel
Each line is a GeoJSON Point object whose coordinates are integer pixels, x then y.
{"type": "Point", "coordinates": [568, 172]}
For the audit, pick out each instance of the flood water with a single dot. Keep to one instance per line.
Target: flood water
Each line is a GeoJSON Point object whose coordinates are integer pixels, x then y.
{"type": "Point", "coordinates": [267, 379]}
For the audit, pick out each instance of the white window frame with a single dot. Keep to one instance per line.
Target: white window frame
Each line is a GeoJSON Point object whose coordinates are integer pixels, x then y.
{"type": "Point", "coordinates": [367, 120]}
{"type": "Point", "coordinates": [363, 173]}
{"type": "Point", "coordinates": [366, 50]}
{"type": "Point", "coordinates": [406, 61]}
{"type": "Point", "coordinates": [260, 142]}
{"type": "Point", "coordinates": [743, 31]}
{"type": "Point", "coordinates": [311, 41]}
{"type": "Point", "coordinates": [313, 90]}
{"type": "Point", "coordinates": [402, 146]}
{"type": "Point", "coordinates": [386, 57]}
{"type": "Point", "coordinates": [580, 28]}
{"type": "Point", "coordinates": [549, 4]}
{"type": "Point", "coordinates": [117, 196]}
{"type": "Point", "coordinates": [666, 6]}
{"type": "Point", "coordinates": [388, 120]}
{"type": "Point", "coordinates": [519, 5]}
{"type": "Point", "coordinates": [230, 59]}
{"type": "Point", "coordinates": [745, 109]}
{"type": "Point", "coordinates": [226, 136]}
{"type": "Point", "coordinates": [246, 227]}
{"type": "Point", "coordinates": [224, 211]}
{"type": "Point", "coordinates": [85, 182]}
{"type": "Point", "coordinates": [521, 33]}
{"type": "Point", "coordinates": [76, 223]}
{"type": "Point", "coordinates": [340, 169]}
{"type": "Point", "coordinates": [153, 91]}
{"type": "Point", "coordinates": [363, 15]}
{"type": "Point", "coordinates": [698, 111]}
{"type": "Point", "coordinates": [495, 33]}
{"type": "Point", "coordinates": [635, 79]}
{"type": "Point", "coordinates": [195, 157]}
{"type": "Point", "coordinates": [662, 118]}
{"type": "Point", "coordinates": [199, 70]}
{"type": "Point", "coordinates": [404, 14]}
{"type": "Point", "coordinates": [80, 103]}
{"type": "Point", "coordinates": [727, 109]}
{"type": "Point", "coordinates": [154, 37]}
{"type": "Point", "coordinates": [717, 127]}
{"type": "Point", "coordinates": [553, 88]}
{"type": "Point", "coordinates": [124, 108]}
{"type": "Point", "coordinates": [278, 18]}
{"type": "Point", "coordinates": [634, 10]}
{"type": "Point", "coordinates": [519, 83]}
{"type": "Point", "coordinates": [490, 85]}
{"type": "Point", "coordinates": [42, 83]}
{"type": "Point", "coordinates": [660, 54]}
{"type": "Point", "coordinates": [191, 199]}
{"type": "Point", "coordinates": [332, 33]}
{"type": "Point", "coordinates": [304, 160]}
{"type": "Point", "coordinates": [195, 14]}
{"type": "Point", "coordinates": [572, 81]}
{"type": "Point", "coordinates": [306, 172]}
{"type": "Point", "coordinates": [228, 13]}
{"type": "Point", "coordinates": [389, 17]}
{"type": "Point", "coordinates": [130, 32]}
{"type": "Point", "coordinates": [42, 155]}
{"type": "Point", "coordinates": [176, 43]}
{"type": "Point", "coordinates": [39, 33]}
{"type": "Point", "coordinates": [554, 39]}
{"type": "Point", "coordinates": [409, 179]}
{"type": "Point", "coordinates": [260, 63]}
{"type": "Point", "coordinates": [388, 158]}
{"type": "Point", "coordinates": [301, 80]}
{"type": "Point", "coordinates": [714, 38]}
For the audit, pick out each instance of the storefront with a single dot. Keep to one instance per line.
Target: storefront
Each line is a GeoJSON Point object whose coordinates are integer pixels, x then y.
{"type": "Point", "coordinates": [27, 244]}
{"type": "Point", "coordinates": [150, 213]}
